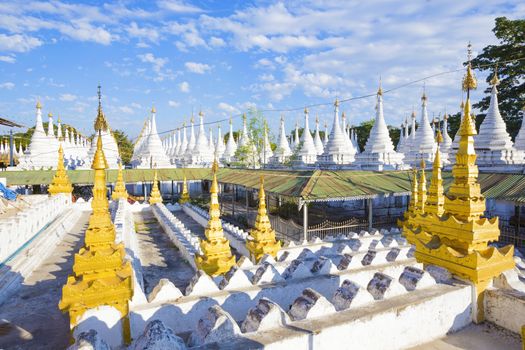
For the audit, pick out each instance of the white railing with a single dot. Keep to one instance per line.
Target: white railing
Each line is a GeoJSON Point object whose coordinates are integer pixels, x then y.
{"type": "Point", "coordinates": [17, 230]}
{"type": "Point", "coordinates": [184, 239]}
{"type": "Point", "coordinates": [234, 234]}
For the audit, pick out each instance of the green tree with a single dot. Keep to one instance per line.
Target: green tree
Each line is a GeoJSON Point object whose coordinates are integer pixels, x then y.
{"type": "Point", "coordinates": [362, 131]}
{"type": "Point", "coordinates": [125, 146]}
{"type": "Point", "coordinates": [511, 34]}
{"type": "Point", "coordinates": [248, 155]}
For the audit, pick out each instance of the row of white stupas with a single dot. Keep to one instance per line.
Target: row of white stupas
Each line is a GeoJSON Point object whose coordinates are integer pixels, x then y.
{"type": "Point", "coordinates": [339, 149]}
{"type": "Point", "coordinates": [5, 150]}
{"type": "Point", "coordinates": [42, 152]}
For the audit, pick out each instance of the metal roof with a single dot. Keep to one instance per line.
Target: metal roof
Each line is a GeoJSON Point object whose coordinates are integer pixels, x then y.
{"type": "Point", "coordinates": [306, 186]}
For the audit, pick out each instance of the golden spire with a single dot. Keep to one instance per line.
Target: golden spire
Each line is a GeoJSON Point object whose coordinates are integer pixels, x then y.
{"type": "Point", "coordinates": [336, 103]}
{"type": "Point", "coordinates": [422, 193]}
{"type": "Point", "coordinates": [263, 236]}
{"type": "Point", "coordinates": [185, 195]}
{"type": "Point", "coordinates": [495, 80]}
{"type": "Point", "coordinates": [60, 183]}
{"type": "Point", "coordinates": [153, 109]}
{"type": "Point", "coordinates": [436, 199]}
{"type": "Point", "coordinates": [380, 89]}
{"type": "Point", "coordinates": [305, 110]}
{"type": "Point", "coordinates": [217, 257]}
{"type": "Point", "coordinates": [469, 80]}
{"type": "Point", "coordinates": [38, 105]}
{"type": "Point", "coordinates": [120, 186]}
{"type": "Point", "coordinates": [101, 124]}
{"type": "Point", "coordinates": [155, 196]}
{"type": "Point", "coordinates": [101, 274]}
{"type": "Point", "coordinates": [412, 206]}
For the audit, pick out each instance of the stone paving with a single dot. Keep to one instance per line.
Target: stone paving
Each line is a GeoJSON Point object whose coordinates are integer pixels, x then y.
{"type": "Point", "coordinates": [159, 256]}
{"type": "Point", "coordinates": [31, 319]}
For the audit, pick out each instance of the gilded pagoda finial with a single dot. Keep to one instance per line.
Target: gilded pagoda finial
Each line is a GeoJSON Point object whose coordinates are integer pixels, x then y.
{"type": "Point", "coordinates": [120, 186]}
{"type": "Point", "coordinates": [155, 197]}
{"type": "Point", "coordinates": [495, 80]}
{"type": "Point", "coordinates": [469, 80]}
{"type": "Point", "coordinates": [336, 103]}
{"type": "Point", "coordinates": [262, 236]}
{"type": "Point", "coordinates": [185, 195]}
{"type": "Point", "coordinates": [380, 89]}
{"type": "Point", "coordinates": [60, 183]}
{"type": "Point", "coordinates": [217, 257]}
{"type": "Point", "coordinates": [101, 124]}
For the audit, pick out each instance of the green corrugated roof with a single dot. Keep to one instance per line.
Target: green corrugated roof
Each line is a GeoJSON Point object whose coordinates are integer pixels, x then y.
{"type": "Point", "coordinates": [318, 185]}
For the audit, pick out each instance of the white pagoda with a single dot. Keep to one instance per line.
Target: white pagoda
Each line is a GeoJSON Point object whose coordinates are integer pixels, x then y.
{"type": "Point", "coordinates": [306, 152]}
{"type": "Point", "coordinates": [379, 153]}
{"type": "Point", "coordinates": [423, 145]}
{"type": "Point", "coordinates": [494, 147]}
{"type": "Point", "coordinates": [151, 152]}
{"type": "Point", "coordinates": [337, 152]}
{"type": "Point", "coordinates": [228, 155]}
{"type": "Point", "coordinates": [319, 146]}
{"type": "Point", "coordinates": [201, 156]}
{"type": "Point", "coordinates": [283, 152]}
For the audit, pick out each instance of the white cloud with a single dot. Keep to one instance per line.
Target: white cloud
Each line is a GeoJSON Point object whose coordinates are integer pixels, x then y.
{"type": "Point", "coordinates": [216, 42]}
{"type": "Point", "coordinates": [198, 68]}
{"type": "Point", "coordinates": [7, 85]}
{"type": "Point", "coordinates": [174, 104]}
{"type": "Point", "coordinates": [184, 86]}
{"type": "Point", "coordinates": [228, 108]}
{"type": "Point", "coordinates": [126, 109]}
{"type": "Point", "coordinates": [156, 62]}
{"type": "Point", "coordinates": [150, 34]}
{"type": "Point", "coordinates": [67, 97]}
{"type": "Point", "coordinates": [18, 43]}
{"type": "Point", "coordinates": [178, 6]}
{"type": "Point", "coordinates": [82, 30]}
{"type": "Point", "coordinates": [8, 59]}
{"type": "Point", "coordinates": [136, 105]}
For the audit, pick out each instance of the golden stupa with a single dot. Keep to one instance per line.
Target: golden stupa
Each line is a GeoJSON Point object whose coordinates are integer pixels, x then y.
{"type": "Point", "coordinates": [263, 235]}
{"type": "Point", "coordinates": [155, 196]}
{"type": "Point", "coordinates": [457, 235]}
{"type": "Point", "coordinates": [60, 183]}
{"type": "Point", "coordinates": [101, 274]}
{"type": "Point", "coordinates": [217, 257]}
{"type": "Point", "coordinates": [120, 186]}
{"type": "Point", "coordinates": [185, 195]}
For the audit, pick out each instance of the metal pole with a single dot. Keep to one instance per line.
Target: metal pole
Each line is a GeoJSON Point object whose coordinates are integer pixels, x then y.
{"type": "Point", "coordinates": [369, 214]}
{"type": "Point", "coordinates": [233, 201]}
{"type": "Point", "coordinates": [305, 222]}
{"type": "Point", "coordinates": [11, 160]}
{"type": "Point", "coordinates": [246, 198]}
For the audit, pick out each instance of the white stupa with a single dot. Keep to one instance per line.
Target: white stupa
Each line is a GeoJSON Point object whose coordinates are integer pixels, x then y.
{"type": "Point", "coordinates": [445, 147]}
{"type": "Point", "coordinates": [306, 152]}
{"type": "Point", "coordinates": [282, 152]}
{"type": "Point", "coordinates": [379, 153]}
{"type": "Point", "coordinates": [228, 155]}
{"type": "Point", "coordinates": [519, 142]}
{"type": "Point", "coordinates": [337, 153]}
{"type": "Point", "coordinates": [38, 154]}
{"type": "Point", "coordinates": [151, 153]}
{"type": "Point", "coordinates": [109, 145]}
{"type": "Point", "coordinates": [183, 145]}
{"type": "Point", "coordinates": [202, 155]}
{"type": "Point", "coordinates": [219, 144]}
{"type": "Point", "coordinates": [191, 141]}
{"type": "Point", "coordinates": [325, 139]}
{"type": "Point", "coordinates": [494, 147]}
{"type": "Point", "coordinates": [317, 138]}
{"type": "Point", "coordinates": [424, 144]}
{"type": "Point", "coordinates": [266, 151]}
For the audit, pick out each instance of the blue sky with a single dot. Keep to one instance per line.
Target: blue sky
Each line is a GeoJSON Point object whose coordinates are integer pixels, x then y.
{"type": "Point", "coordinates": [225, 56]}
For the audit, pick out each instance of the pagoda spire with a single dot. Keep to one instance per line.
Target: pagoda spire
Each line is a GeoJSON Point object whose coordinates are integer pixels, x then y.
{"type": "Point", "coordinates": [155, 197]}
{"type": "Point", "coordinates": [422, 191]}
{"type": "Point", "coordinates": [263, 236]}
{"type": "Point", "coordinates": [307, 152]}
{"type": "Point", "coordinates": [120, 186]}
{"type": "Point", "coordinates": [436, 199]}
{"type": "Point", "coordinates": [413, 205]}
{"type": "Point", "coordinates": [101, 273]}
{"type": "Point", "coordinates": [60, 183]}
{"type": "Point", "coordinates": [317, 138]}
{"type": "Point", "coordinates": [216, 258]}
{"type": "Point", "coordinates": [185, 195]}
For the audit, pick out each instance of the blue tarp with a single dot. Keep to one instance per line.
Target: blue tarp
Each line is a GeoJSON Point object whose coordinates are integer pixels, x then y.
{"type": "Point", "coordinates": [7, 193]}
